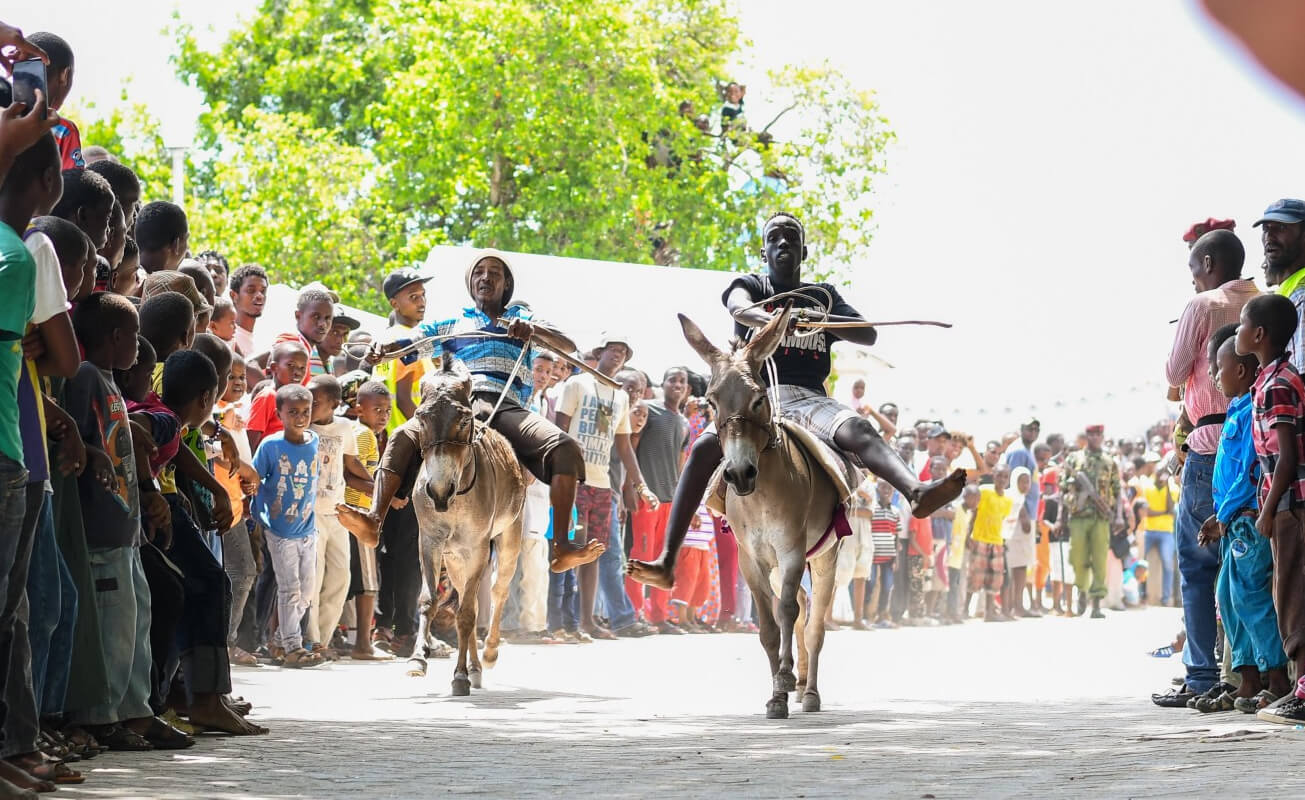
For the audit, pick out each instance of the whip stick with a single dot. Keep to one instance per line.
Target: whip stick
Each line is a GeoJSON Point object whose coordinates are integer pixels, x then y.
{"type": "Point", "coordinates": [858, 324]}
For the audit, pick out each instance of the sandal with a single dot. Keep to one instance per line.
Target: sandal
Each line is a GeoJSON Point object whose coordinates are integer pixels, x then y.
{"type": "Point", "coordinates": [1213, 705]}
{"type": "Point", "coordinates": [82, 742]}
{"type": "Point", "coordinates": [116, 737]}
{"type": "Point", "coordinates": [1250, 705]}
{"type": "Point", "coordinates": [301, 659]}
{"type": "Point", "coordinates": [602, 633]}
{"type": "Point", "coordinates": [241, 657]}
{"type": "Point", "coordinates": [165, 737]}
{"type": "Point", "coordinates": [43, 768]}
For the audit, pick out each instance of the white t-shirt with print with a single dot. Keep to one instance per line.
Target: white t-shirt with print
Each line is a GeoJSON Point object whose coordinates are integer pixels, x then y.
{"type": "Point", "coordinates": [335, 440]}
{"type": "Point", "coordinates": [598, 414]}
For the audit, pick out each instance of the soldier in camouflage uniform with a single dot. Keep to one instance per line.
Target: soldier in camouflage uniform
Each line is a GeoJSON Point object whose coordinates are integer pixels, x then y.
{"type": "Point", "coordinates": [1090, 516]}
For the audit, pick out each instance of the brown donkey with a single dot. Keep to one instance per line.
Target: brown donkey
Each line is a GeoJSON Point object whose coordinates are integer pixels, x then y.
{"type": "Point", "coordinates": [779, 502]}
{"type": "Point", "coordinates": [469, 493]}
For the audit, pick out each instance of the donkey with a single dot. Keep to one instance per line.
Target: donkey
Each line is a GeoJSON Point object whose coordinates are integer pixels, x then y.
{"type": "Point", "coordinates": [470, 492]}
{"type": "Point", "coordinates": [779, 502]}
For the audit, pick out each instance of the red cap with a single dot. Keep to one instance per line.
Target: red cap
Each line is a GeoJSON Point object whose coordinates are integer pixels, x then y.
{"type": "Point", "coordinates": [1199, 229]}
{"type": "Point", "coordinates": [1096, 429]}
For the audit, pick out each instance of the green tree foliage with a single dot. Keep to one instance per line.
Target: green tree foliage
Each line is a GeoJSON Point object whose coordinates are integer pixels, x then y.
{"type": "Point", "coordinates": [569, 127]}
{"type": "Point", "coordinates": [133, 134]}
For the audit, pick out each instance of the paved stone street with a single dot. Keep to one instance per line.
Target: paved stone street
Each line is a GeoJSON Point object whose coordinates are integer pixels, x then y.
{"type": "Point", "coordinates": [1036, 708]}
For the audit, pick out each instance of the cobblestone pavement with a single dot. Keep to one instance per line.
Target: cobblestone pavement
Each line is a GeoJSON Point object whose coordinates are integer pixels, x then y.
{"type": "Point", "coordinates": [1037, 708]}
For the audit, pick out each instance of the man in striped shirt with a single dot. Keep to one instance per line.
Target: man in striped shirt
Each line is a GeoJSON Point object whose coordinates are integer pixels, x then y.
{"type": "Point", "coordinates": [1215, 263]}
{"type": "Point", "coordinates": [498, 370]}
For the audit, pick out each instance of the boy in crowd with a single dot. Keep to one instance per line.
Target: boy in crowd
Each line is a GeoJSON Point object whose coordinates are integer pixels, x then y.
{"type": "Point", "coordinates": [126, 188]}
{"type": "Point", "coordinates": [126, 278]}
{"type": "Point", "coordinates": [314, 315]}
{"type": "Point", "coordinates": [107, 325]}
{"type": "Point", "coordinates": [248, 289]}
{"type": "Point", "coordinates": [288, 365]}
{"type": "Point", "coordinates": [1246, 574]}
{"type": "Point", "coordinates": [286, 462]}
{"type": "Point", "coordinates": [87, 202]}
{"type": "Point", "coordinates": [372, 407]}
{"type": "Point", "coordinates": [956, 549]}
{"type": "Point", "coordinates": [162, 235]}
{"type": "Point", "coordinates": [59, 83]}
{"type": "Point", "coordinates": [222, 323]}
{"type": "Point", "coordinates": [1268, 323]}
{"type": "Point", "coordinates": [405, 290]}
{"type": "Point", "coordinates": [987, 552]}
{"type": "Point", "coordinates": [337, 467]}
{"type": "Point", "coordinates": [237, 549]}
{"type": "Point", "coordinates": [886, 525]}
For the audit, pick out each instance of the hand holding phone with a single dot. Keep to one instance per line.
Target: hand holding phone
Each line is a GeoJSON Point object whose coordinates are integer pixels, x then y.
{"type": "Point", "coordinates": [28, 79]}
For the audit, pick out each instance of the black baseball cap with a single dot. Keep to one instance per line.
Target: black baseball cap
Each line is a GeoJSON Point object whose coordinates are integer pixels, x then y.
{"type": "Point", "coordinates": [400, 278]}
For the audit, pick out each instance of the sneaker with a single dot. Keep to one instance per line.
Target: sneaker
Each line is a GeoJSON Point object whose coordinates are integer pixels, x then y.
{"type": "Point", "coordinates": [1212, 693]}
{"type": "Point", "coordinates": [1289, 711]}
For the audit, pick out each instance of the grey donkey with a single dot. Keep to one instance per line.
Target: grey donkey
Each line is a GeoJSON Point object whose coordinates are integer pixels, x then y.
{"type": "Point", "coordinates": [470, 492]}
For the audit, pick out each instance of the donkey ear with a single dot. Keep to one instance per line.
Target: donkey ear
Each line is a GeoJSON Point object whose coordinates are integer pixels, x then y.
{"type": "Point", "coordinates": [698, 341]}
{"type": "Point", "coordinates": [766, 341]}
{"type": "Point", "coordinates": [446, 362]}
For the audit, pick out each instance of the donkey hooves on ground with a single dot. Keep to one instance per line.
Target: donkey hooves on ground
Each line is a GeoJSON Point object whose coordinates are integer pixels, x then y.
{"type": "Point", "coordinates": [416, 668]}
{"type": "Point", "coordinates": [474, 677]}
{"type": "Point", "coordinates": [811, 701]}
{"type": "Point", "coordinates": [461, 687]}
{"type": "Point", "coordinates": [785, 681]}
{"type": "Point", "coordinates": [777, 707]}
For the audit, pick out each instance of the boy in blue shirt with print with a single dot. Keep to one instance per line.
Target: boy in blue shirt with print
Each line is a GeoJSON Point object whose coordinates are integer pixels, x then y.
{"type": "Point", "coordinates": [1245, 584]}
{"type": "Point", "coordinates": [286, 463]}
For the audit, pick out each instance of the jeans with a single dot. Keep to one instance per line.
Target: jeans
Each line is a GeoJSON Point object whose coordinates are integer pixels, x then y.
{"type": "Point", "coordinates": [1199, 568]}
{"type": "Point", "coordinates": [563, 601]}
{"type": "Point", "coordinates": [881, 575]}
{"type": "Point", "coordinates": [1163, 542]}
{"type": "Point", "coordinates": [53, 601]}
{"type": "Point", "coordinates": [611, 576]}
{"type": "Point", "coordinates": [123, 600]}
{"type": "Point", "coordinates": [956, 591]}
{"type": "Point", "coordinates": [238, 561]}
{"type": "Point", "coordinates": [295, 563]}
{"type": "Point", "coordinates": [18, 717]}
{"type": "Point", "coordinates": [1245, 592]}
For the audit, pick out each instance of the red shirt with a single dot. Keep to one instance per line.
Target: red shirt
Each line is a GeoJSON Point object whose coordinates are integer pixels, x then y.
{"type": "Point", "coordinates": [262, 413]}
{"type": "Point", "coordinates": [1279, 399]}
{"type": "Point", "coordinates": [69, 140]}
{"type": "Point", "coordinates": [308, 346]}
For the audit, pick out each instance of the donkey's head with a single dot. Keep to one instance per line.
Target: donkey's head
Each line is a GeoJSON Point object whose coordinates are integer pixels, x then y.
{"type": "Point", "coordinates": [736, 391]}
{"type": "Point", "coordinates": [446, 431]}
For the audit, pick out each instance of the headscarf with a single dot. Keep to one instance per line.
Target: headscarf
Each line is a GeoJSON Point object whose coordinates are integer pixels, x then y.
{"type": "Point", "coordinates": [1017, 497]}
{"type": "Point", "coordinates": [509, 280]}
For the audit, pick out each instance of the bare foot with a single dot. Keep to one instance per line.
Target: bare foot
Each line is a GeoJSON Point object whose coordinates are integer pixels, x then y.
{"type": "Point", "coordinates": [932, 496]}
{"type": "Point", "coordinates": [570, 558]}
{"type": "Point", "coordinates": [209, 710]}
{"type": "Point", "coordinates": [362, 524]}
{"type": "Point", "coordinates": [652, 573]}
{"type": "Point", "coordinates": [9, 791]}
{"type": "Point", "coordinates": [21, 778]}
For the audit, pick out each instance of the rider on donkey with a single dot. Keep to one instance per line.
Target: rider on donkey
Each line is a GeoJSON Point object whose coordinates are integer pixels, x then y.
{"type": "Point", "coordinates": [553, 457]}
{"type": "Point", "coordinates": [802, 364]}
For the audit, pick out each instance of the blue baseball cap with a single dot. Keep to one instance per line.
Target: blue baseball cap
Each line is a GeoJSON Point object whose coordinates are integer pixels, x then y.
{"type": "Point", "coordinates": [1285, 210]}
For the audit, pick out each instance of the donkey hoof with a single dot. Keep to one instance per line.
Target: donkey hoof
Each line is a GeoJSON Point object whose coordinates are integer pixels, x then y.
{"type": "Point", "coordinates": [490, 656]}
{"type": "Point", "coordinates": [785, 681]}
{"type": "Point", "coordinates": [474, 675]}
{"type": "Point", "coordinates": [461, 687]}
{"type": "Point", "coordinates": [416, 668]}
{"type": "Point", "coordinates": [777, 707]}
{"type": "Point", "coordinates": [811, 701]}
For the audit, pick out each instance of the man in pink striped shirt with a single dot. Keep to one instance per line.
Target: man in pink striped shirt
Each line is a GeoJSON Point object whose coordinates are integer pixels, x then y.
{"type": "Point", "coordinates": [1216, 265]}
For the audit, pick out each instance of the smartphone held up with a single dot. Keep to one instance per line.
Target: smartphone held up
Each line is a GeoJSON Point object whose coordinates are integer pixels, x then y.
{"type": "Point", "coordinates": [28, 79]}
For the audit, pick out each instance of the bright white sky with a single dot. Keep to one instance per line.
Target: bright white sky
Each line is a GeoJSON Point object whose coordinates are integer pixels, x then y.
{"type": "Point", "coordinates": [1049, 157]}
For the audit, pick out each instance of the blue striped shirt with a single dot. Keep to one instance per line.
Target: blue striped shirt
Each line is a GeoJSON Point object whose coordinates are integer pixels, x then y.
{"type": "Point", "coordinates": [489, 360]}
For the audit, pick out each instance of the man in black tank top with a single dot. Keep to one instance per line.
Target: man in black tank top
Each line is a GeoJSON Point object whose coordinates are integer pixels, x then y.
{"type": "Point", "coordinates": [802, 364]}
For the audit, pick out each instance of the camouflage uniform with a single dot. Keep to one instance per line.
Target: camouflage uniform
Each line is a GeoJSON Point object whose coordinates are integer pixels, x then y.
{"type": "Point", "coordinates": [1089, 529]}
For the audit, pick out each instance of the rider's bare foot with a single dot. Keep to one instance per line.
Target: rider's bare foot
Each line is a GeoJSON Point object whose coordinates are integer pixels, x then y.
{"type": "Point", "coordinates": [209, 711]}
{"type": "Point", "coordinates": [362, 524]}
{"type": "Point", "coordinates": [932, 496]}
{"type": "Point", "coordinates": [652, 573]}
{"type": "Point", "coordinates": [572, 557]}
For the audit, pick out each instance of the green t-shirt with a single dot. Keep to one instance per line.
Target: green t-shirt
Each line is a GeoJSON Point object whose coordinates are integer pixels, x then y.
{"type": "Point", "coordinates": [18, 288]}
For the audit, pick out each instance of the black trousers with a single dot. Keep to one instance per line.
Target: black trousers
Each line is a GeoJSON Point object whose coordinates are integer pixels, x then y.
{"type": "Point", "coordinates": [206, 617]}
{"type": "Point", "coordinates": [167, 599]}
{"type": "Point", "coordinates": [399, 562]}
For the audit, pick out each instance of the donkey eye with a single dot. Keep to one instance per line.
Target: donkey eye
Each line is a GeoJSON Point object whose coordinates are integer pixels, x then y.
{"type": "Point", "coordinates": [756, 404]}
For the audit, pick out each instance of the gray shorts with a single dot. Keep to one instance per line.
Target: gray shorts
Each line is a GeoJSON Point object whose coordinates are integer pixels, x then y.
{"type": "Point", "coordinates": [818, 413]}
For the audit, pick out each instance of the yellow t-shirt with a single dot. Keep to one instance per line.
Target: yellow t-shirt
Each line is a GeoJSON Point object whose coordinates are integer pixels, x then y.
{"type": "Point", "coordinates": [1156, 518]}
{"type": "Point", "coordinates": [391, 372]}
{"type": "Point", "coordinates": [168, 475]}
{"type": "Point", "coordinates": [370, 456]}
{"type": "Point", "coordinates": [993, 509]}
